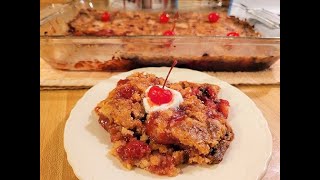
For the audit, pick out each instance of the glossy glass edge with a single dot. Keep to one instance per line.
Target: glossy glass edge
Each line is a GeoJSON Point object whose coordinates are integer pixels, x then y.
{"type": "Point", "coordinates": [157, 37]}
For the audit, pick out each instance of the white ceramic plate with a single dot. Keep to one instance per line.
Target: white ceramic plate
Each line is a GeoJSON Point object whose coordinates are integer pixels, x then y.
{"type": "Point", "coordinates": [87, 144]}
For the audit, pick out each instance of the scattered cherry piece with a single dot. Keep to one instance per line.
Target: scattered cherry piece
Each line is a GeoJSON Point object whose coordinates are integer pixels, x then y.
{"type": "Point", "coordinates": [233, 34]}
{"type": "Point", "coordinates": [213, 17]}
{"type": "Point", "coordinates": [105, 17]}
{"type": "Point", "coordinates": [164, 18]}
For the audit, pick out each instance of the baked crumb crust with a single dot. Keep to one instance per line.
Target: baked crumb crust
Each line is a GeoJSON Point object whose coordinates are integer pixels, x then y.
{"type": "Point", "coordinates": [132, 23]}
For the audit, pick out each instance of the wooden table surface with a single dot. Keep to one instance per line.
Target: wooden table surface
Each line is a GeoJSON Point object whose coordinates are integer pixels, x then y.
{"type": "Point", "coordinates": [55, 106]}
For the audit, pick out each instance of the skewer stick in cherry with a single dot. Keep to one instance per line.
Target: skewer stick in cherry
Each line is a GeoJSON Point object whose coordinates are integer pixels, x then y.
{"type": "Point", "coordinates": [173, 64]}
{"type": "Point", "coordinates": [160, 95]}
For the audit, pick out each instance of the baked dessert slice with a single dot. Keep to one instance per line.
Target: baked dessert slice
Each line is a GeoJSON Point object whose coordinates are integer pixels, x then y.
{"type": "Point", "coordinates": [194, 130]}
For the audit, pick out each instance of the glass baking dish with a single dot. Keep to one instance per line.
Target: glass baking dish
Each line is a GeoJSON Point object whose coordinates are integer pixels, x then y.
{"type": "Point", "coordinates": [120, 53]}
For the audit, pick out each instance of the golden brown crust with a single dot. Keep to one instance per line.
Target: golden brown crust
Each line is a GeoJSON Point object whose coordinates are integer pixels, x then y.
{"type": "Point", "coordinates": [197, 132]}
{"type": "Point", "coordinates": [132, 23]}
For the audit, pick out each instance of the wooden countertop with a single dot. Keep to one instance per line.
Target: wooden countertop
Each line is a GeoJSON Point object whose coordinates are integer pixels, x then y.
{"type": "Point", "coordinates": [55, 106]}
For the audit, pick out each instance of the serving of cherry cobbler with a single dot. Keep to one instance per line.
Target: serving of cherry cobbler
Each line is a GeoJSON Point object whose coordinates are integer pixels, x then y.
{"type": "Point", "coordinates": [158, 126]}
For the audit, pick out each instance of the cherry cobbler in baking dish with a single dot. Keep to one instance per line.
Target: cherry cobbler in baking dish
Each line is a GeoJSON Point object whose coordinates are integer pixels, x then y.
{"type": "Point", "coordinates": [133, 23]}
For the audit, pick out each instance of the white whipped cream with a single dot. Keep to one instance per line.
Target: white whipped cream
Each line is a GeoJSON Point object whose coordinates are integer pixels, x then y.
{"type": "Point", "coordinates": [174, 103]}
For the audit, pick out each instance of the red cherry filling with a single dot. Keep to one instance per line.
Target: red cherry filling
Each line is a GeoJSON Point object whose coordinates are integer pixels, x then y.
{"type": "Point", "coordinates": [122, 81]}
{"type": "Point", "coordinates": [105, 17]}
{"type": "Point", "coordinates": [205, 94]}
{"type": "Point", "coordinates": [168, 33]}
{"type": "Point", "coordinates": [159, 95]}
{"type": "Point", "coordinates": [126, 92]}
{"type": "Point", "coordinates": [134, 150]}
{"type": "Point", "coordinates": [164, 17]}
{"type": "Point", "coordinates": [234, 34]}
{"type": "Point", "coordinates": [213, 17]}
{"type": "Point", "coordinates": [223, 107]}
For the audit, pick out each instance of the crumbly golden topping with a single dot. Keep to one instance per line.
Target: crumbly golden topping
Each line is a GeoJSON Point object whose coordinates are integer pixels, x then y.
{"type": "Point", "coordinates": [197, 132]}
{"type": "Point", "coordinates": [130, 23]}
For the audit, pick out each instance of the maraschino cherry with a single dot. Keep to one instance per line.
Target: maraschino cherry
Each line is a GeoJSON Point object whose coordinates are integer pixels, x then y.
{"type": "Point", "coordinates": [168, 33]}
{"type": "Point", "coordinates": [213, 17]}
{"type": "Point", "coordinates": [105, 17]}
{"type": "Point", "coordinates": [171, 32]}
{"type": "Point", "coordinates": [164, 18]}
{"type": "Point", "coordinates": [160, 95]}
{"type": "Point", "coordinates": [233, 34]}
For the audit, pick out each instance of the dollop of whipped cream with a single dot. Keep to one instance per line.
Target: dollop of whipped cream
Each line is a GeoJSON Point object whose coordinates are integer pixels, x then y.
{"type": "Point", "coordinates": [149, 106]}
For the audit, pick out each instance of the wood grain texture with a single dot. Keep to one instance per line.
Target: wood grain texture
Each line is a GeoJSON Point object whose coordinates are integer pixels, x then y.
{"type": "Point", "coordinates": [55, 106]}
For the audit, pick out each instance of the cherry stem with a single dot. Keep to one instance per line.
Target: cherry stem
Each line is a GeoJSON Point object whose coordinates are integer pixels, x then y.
{"type": "Point", "coordinates": [176, 16]}
{"type": "Point", "coordinates": [173, 64]}
{"type": "Point", "coordinates": [174, 26]}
